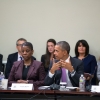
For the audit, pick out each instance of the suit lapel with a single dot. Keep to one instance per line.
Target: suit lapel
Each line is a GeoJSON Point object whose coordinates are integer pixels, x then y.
{"type": "Point", "coordinates": [72, 61]}
{"type": "Point", "coordinates": [15, 58]}
{"type": "Point", "coordinates": [73, 64]}
{"type": "Point", "coordinates": [32, 66]}
{"type": "Point", "coordinates": [20, 69]}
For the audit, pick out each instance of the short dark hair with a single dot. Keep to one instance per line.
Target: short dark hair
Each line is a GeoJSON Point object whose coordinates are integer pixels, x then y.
{"type": "Point", "coordinates": [28, 44]}
{"type": "Point", "coordinates": [64, 45]}
{"type": "Point", "coordinates": [85, 44]}
{"type": "Point", "coordinates": [20, 39]}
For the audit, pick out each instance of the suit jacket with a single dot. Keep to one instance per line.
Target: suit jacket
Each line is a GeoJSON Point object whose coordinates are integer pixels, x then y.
{"type": "Point", "coordinates": [35, 75]}
{"type": "Point", "coordinates": [1, 56]}
{"type": "Point", "coordinates": [98, 71]}
{"type": "Point", "coordinates": [11, 59]}
{"type": "Point", "coordinates": [78, 67]}
{"type": "Point", "coordinates": [43, 57]}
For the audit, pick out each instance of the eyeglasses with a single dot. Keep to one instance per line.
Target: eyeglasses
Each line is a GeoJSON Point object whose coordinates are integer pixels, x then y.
{"type": "Point", "coordinates": [19, 44]}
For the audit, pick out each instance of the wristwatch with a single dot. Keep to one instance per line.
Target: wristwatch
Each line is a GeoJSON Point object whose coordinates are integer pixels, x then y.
{"type": "Point", "coordinates": [72, 73]}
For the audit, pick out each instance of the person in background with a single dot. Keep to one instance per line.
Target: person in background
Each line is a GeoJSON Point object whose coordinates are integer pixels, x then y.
{"type": "Point", "coordinates": [64, 68]}
{"type": "Point", "coordinates": [89, 61]}
{"type": "Point", "coordinates": [17, 56]}
{"type": "Point", "coordinates": [27, 70]}
{"type": "Point", "coordinates": [46, 58]}
{"type": "Point", "coordinates": [98, 70]}
{"type": "Point", "coordinates": [1, 57]}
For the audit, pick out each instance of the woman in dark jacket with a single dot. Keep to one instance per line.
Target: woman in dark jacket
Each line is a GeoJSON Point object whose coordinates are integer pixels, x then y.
{"type": "Point", "coordinates": [46, 58]}
{"type": "Point", "coordinates": [89, 61]}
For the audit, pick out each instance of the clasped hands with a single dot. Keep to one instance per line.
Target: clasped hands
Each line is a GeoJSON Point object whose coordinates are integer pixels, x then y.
{"type": "Point", "coordinates": [22, 81]}
{"type": "Point", "coordinates": [61, 64]}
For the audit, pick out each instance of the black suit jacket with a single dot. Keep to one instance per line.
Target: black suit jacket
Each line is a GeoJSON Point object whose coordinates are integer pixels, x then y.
{"type": "Point", "coordinates": [43, 57]}
{"type": "Point", "coordinates": [78, 67]}
{"type": "Point", "coordinates": [11, 59]}
{"type": "Point", "coordinates": [1, 56]}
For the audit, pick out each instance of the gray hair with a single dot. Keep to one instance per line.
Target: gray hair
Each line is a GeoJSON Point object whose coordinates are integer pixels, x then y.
{"type": "Point", "coordinates": [64, 45]}
{"type": "Point", "coordinates": [20, 39]}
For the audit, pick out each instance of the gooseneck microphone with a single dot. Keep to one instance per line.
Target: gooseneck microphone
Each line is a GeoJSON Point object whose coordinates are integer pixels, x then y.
{"type": "Point", "coordinates": [54, 86]}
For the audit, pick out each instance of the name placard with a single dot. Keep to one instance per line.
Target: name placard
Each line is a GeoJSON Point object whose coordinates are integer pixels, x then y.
{"type": "Point", "coordinates": [17, 86]}
{"type": "Point", "coordinates": [95, 88]}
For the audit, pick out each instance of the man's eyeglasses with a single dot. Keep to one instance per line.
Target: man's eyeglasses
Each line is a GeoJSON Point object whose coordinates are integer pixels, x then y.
{"type": "Point", "coordinates": [19, 44]}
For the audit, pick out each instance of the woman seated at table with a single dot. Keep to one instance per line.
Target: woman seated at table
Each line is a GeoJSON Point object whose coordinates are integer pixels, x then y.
{"type": "Point", "coordinates": [27, 70]}
{"type": "Point", "coordinates": [46, 58]}
{"type": "Point", "coordinates": [89, 61]}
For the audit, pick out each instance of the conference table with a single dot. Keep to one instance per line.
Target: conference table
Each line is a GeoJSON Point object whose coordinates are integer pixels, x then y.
{"type": "Point", "coordinates": [47, 95]}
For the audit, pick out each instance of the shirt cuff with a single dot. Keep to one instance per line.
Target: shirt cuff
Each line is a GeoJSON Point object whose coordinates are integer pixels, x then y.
{"type": "Point", "coordinates": [73, 73]}
{"type": "Point", "coordinates": [50, 74]}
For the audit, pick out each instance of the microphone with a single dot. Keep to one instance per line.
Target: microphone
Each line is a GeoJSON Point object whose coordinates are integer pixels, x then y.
{"type": "Point", "coordinates": [88, 87]}
{"type": "Point", "coordinates": [55, 86]}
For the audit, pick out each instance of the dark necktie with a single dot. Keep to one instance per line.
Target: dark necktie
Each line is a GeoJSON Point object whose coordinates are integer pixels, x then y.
{"type": "Point", "coordinates": [20, 58]}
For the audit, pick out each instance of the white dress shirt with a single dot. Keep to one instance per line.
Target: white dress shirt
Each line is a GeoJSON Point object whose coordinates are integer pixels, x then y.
{"type": "Point", "coordinates": [68, 80]}
{"type": "Point", "coordinates": [19, 57]}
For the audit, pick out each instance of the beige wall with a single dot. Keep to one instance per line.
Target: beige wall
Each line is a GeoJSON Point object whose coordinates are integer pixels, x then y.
{"type": "Point", "coordinates": [39, 20]}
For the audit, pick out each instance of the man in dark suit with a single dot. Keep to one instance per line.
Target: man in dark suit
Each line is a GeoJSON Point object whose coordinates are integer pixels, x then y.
{"type": "Point", "coordinates": [64, 68]}
{"type": "Point", "coordinates": [1, 56]}
{"type": "Point", "coordinates": [14, 57]}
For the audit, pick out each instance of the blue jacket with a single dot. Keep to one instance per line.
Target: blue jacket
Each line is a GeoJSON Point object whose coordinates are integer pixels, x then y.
{"type": "Point", "coordinates": [90, 65]}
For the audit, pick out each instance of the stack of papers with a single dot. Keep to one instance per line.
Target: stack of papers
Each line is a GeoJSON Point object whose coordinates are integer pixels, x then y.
{"type": "Point", "coordinates": [71, 88]}
{"type": "Point", "coordinates": [44, 87]}
{"type": "Point", "coordinates": [63, 83]}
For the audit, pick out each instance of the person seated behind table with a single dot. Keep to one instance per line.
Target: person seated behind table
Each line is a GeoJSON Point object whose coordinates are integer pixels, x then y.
{"type": "Point", "coordinates": [15, 56]}
{"type": "Point", "coordinates": [65, 68]}
{"type": "Point", "coordinates": [89, 61]}
{"type": "Point", "coordinates": [98, 70]}
{"type": "Point", "coordinates": [27, 70]}
{"type": "Point", "coordinates": [1, 69]}
{"type": "Point", "coordinates": [46, 58]}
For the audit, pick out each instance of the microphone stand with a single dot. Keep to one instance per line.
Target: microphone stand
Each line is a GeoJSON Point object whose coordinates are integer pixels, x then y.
{"type": "Point", "coordinates": [88, 87]}
{"type": "Point", "coordinates": [54, 86]}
